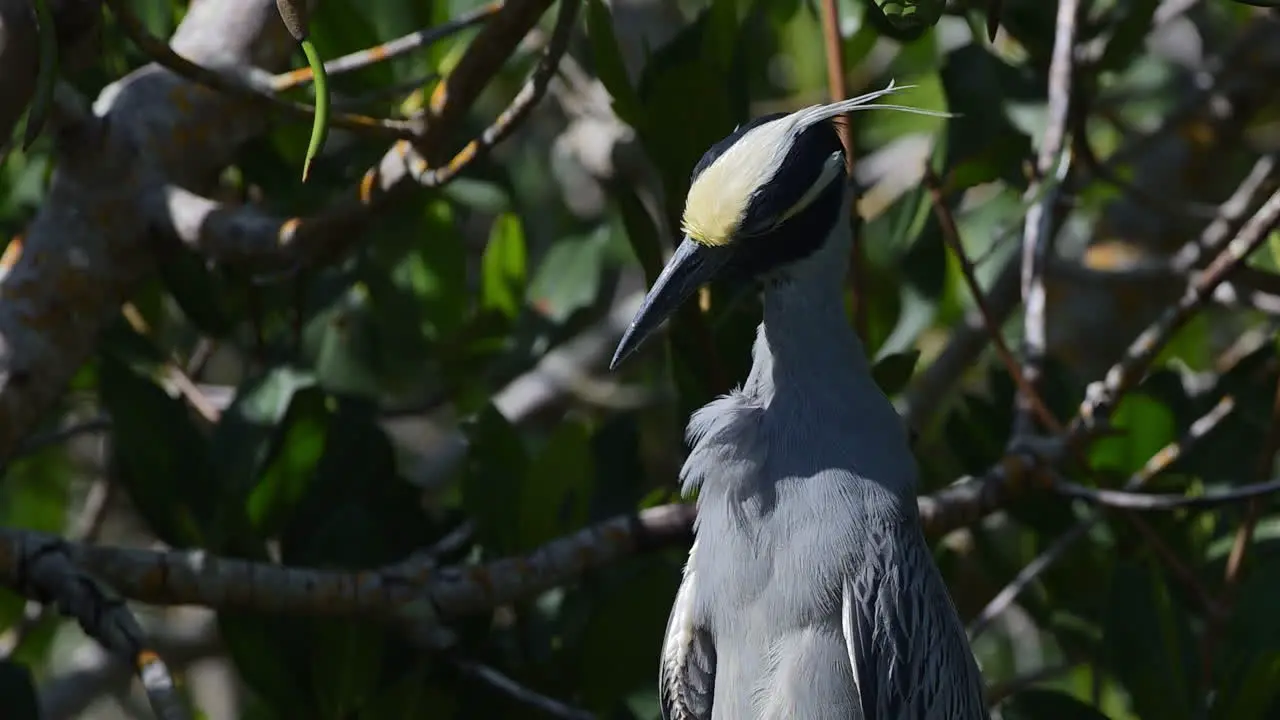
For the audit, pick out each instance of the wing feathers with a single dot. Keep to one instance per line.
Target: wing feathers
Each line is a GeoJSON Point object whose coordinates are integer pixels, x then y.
{"type": "Point", "coordinates": [687, 676]}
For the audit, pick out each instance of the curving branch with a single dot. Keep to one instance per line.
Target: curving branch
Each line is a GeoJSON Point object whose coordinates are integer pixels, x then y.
{"type": "Point", "coordinates": [46, 574]}
{"type": "Point", "coordinates": [509, 119]}
{"type": "Point", "coordinates": [195, 578]}
{"type": "Point", "coordinates": [388, 50]}
{"type": "Point", "coordinates": [247, 234]}
{"type": "Point", "coordinates": [246, 84]}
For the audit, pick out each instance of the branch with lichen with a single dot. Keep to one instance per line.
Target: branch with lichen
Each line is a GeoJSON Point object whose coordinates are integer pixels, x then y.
{"type": "Point", "coordinates": [45, 573]}
{"type": "Point", "coordinates": [120, 180]}
{"type": "Point", "coordinates": [245, 84]}
{"type": "Point", "coordinates": [249, 235]}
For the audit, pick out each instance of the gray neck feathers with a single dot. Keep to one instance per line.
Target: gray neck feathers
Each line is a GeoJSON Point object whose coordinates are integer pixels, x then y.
{"type": "Point", "coordinates": [811, 371]}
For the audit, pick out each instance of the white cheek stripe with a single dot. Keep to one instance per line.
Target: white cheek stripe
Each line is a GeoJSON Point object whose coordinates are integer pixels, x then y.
{"type": "Point", "coordinates": [833, 167]}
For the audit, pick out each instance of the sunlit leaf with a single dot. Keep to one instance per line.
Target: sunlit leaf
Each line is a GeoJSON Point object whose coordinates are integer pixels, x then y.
{"type": "Point", "coordinates": [503, 267]}
{"type": "Point", "coordinates": [1144, 426]}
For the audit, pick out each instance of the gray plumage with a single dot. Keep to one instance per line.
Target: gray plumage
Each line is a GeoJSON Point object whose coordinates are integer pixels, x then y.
{"type": "Point", "coordinates": [810, 592]}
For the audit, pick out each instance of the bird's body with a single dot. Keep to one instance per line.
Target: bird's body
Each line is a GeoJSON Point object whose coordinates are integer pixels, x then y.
{"type": "Point", "coordinates": [806, 491]}
{"type": "Point", "coordinates": [809, 593]}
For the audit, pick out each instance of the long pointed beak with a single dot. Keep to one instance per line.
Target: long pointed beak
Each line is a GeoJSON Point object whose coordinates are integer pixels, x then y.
{"type": "Point", "coordinates": [692, 266]}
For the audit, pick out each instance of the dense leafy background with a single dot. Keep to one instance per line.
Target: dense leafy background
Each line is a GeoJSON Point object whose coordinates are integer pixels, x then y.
{"type": "Point", "coordinates": [369, 412]}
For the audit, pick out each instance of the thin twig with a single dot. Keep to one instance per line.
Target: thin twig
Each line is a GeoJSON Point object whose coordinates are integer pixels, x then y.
{"type": "Point", "coordinates": [1161, 461]}
{"type": "Point", "coordinates": [1122, 500]}
{"type": "Point", "coordinates": [998, 692]}
{"type": "Point", "coordinates": [1240, 546]}
{"type": "Point", "coordinates": [388, 50]}
{"type": "Point", "coordinates": [1231, 215]}
{"type": "Point", "coordinates": [951, 235]}
{"type": "Point", "coordinates": [837, 90]}
{"type": "Point", "coordinates": [509, 120]}
{"type": "Point", "coordinates": [546, 705]}
{"type": "Point", "coordinates": [37, 443]}
{"type": "Point", "coordinates": [246, 86]}
{"type": "Point", "coordinates": [1102, 396]}
{"type": "Point", "coordinates": [1037, 238]}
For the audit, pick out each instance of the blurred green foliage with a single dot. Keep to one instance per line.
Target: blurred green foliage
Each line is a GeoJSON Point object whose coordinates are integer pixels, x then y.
{"type": "Point", "coordinates": [450, 296]}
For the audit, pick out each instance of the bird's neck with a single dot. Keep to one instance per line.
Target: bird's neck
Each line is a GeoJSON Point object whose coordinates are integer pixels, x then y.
{"type": "Point", "coordinates": [812, 374]}
{"type": "Point", "coordinates": [805, 344]}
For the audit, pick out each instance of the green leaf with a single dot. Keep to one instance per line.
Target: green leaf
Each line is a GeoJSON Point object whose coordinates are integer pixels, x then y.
{"type": "Point", "coordinates": [503, 271]}
{"type": "Point", "coordinates": [1255, 690]}
{"type": "Point", "coordinates": [243, 441]}
{"type": "Point", "coordinates": [554, 494]}
{"type": "Point", "coordinates": [641, 233]}
{"type": "Point", "coordinates": [357, 512]}
{"type": "Point", "coordinates": [568, 279]}
{"type": "Point", "coordinates": [1145, 426]}
{"type": "Point", "coordinates": [1247, 661]}
{"type": "Point", "coordinates": [892, 372]}
{"type": "Point", "coordinates": [982, 144]}
{"type": "Point", "coordinates": [36, 491]}
{"type": "Point", "coordinates": [270, 654]}
{"type": "Point", "coordinates": [346, 663]}
{"type": "Point", "coordinates": [18, 692]}
{"type": "Point", "coordinates": [692, 65]}
{"type": "Point", "coordinates": [197, 289]}
{"type": "Point", "coordinates": [288, 474]}
{"type": "Point", "coordinates": [496, 467]}
{"type": "Point", "coordinates": [910, 16]}
{"type": "Point", "coordinates": [437, 269]}
{"type": "Point", "coordinates": [1039, 704]}
{"type": "Point", "coordinates": [340, 344]}
{"type": "Point", "coordinates": [609, 66]}
{"type": "Point", "coordinates": [924, 266]}
{"type": "Point", "coordinates": [162, 458]}
{"type": "Point", "coordinates": [1149, 644]}
{"type": "Point", "coordinates": [631, 611]}
{"type": "Point", "coordinates": [1129, 34]}
{"type": "Point", "coordinates": [903, 20]}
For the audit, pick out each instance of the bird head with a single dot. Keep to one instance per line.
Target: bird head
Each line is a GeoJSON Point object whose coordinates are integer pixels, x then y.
{"type": "Point", "coordinates": [759, 200]}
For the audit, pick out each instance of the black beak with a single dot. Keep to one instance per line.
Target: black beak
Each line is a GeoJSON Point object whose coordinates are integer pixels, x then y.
{"type": "Point", "coordinates": [692, 266]}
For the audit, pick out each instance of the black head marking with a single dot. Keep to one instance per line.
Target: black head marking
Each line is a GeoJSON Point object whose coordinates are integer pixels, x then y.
{"type": "Point", "coordinates": [767, 244]}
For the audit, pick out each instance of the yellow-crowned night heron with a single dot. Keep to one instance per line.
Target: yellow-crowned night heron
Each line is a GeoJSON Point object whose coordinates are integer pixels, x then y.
{"type": "Point", "coordinates": [810, 592]}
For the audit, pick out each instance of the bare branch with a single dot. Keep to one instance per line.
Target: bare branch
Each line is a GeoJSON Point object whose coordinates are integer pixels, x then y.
{"type": "Point", "coordinates": [247, 234]}
{"type": "Point", "coordinates": [549, 707]}
{"type": "Point", "coordinates": [1122, 500]}
{"type": "Point", "coordinates": [45, 572]}
{"type": "Point", "coordinates": [532, 91]}
{"type": "Point", "coordinates": [951, 235]}
{"type": "Point", "coordinates": [247, 84]}
{"type": "Point", "coordinates": [196, 578]}
{"type": "Point", "coordinates": [1037, 236]}
{"type": "Point", "coordinates": [388, 50]}
{"type": "Point", "coordinates": [1158, 463]}
{"type": "Point", "coordinates": [1103, 396]}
